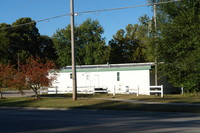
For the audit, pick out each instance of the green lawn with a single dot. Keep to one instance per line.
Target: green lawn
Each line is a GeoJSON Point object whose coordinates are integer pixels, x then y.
{"type": "Point", "coordinates": [186, 98]}
{"type": "Point", "coordinates": [89, 102]}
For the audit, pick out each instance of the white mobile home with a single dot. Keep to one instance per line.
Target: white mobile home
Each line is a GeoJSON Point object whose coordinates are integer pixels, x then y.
{"type": "Point", "coordinates": [114, 78]}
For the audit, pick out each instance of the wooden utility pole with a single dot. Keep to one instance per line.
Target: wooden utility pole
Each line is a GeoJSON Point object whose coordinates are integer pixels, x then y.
{"type": "Point", "coordinates": [155, 36]}
{"type": "Point", "coordinates": [74, 82]}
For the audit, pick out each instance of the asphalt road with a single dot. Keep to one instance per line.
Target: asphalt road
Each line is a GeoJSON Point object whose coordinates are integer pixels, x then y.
{"type": "Point", "coordinates": [18, 120]}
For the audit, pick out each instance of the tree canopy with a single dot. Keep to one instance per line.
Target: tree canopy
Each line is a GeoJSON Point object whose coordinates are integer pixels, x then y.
{"type": "Point", "coordinates": [35, 74]}
{"type": "Point", "coordinates": [130, 45]}
{"type": "Point", "coordinates": [23, 41]}
{"type": "Point", "coordinates": [7, 73]}
{"type": "Point", "coordinates": [89, 44]}
{"type": "Point", "coordinates": [179, 43]}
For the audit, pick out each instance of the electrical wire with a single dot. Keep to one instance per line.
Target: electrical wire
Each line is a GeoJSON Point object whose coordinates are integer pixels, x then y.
{"type": "Point", "coordinates": [86, 12]}
{"type": "Point", "coordinates": [41, 20]}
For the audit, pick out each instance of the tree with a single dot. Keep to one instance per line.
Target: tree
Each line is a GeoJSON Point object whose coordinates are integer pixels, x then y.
{"type": "Point", "coordinates": [130, 45]}
{"type": "Point", "coordinates": [90, 46]}
{"type": "Point", "coordinates": [24, 38]}
{"type": "Point", "coordinates": [7, 73]}
{"type": "Point", "coordinates": [18, 42]}
{"type": "Point", "coordinates": [90, 43]}
{"type": "Point", "coordinates": [179, 44]}
{"type": "Point", "coordinates": [47, 49]}
{"type": "Point", "coordinates": [62, 44]}
{"type": "Point", "coordinates": [35, 74]}
{"type": "Point", "coordinates": [5, 48]}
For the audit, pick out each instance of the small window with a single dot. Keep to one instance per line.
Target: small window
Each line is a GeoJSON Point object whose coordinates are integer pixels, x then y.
{"type": "Point", "coordinates": [70, 75]}
{"type": "Point", "coordinates": [118, 76]}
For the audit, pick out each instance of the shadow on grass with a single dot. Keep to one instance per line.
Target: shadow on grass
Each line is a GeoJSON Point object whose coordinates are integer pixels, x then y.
{"type": "Point", "coordinates": [117, 105]}
{"type": "Point", "coordinates": [16, 102]}
{"type": "Point", "coordinates": [94, 104]}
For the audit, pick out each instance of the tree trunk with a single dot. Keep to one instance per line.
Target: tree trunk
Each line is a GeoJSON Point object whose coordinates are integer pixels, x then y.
{"type": "Point", "coordinates": [36, 94]}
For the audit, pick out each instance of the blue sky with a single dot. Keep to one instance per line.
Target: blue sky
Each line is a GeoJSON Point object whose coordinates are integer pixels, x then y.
{"type": "Point", "coordinates": [11, 10]}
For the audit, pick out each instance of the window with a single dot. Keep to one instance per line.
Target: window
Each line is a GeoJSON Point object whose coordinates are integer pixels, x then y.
{"type": "Point", "coordinates": [70, 75]}
{"type": "Point", "coordinates": [118, 76]}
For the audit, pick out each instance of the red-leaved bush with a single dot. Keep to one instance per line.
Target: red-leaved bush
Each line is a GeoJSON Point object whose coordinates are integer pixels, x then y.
{"type": "Point", "coordinates": [35, 74]}
{"type": "Point", "coordinates": [7, 73]}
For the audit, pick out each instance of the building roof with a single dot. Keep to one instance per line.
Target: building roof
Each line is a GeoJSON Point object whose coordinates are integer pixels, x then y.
{"type": "Point", "coordinates": [110, 67]}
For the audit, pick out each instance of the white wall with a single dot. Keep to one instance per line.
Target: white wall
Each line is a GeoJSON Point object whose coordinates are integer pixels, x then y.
{"type": "Point", "coordinates": [87, 81]}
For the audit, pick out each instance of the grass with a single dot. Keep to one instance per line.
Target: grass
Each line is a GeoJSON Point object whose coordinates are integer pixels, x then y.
{"type": "Point", "coordinates": [47, 102]}
{"type": "Point", "coordinates": [194, 99]}
{"type": "Point", "coordinates": [186, 98]}
{"type": "Point", "coordinates": [89, 102]}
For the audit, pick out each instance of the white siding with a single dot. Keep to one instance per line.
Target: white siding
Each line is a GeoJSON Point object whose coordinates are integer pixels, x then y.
{"type": "Point", "coordinates": [87, 81]}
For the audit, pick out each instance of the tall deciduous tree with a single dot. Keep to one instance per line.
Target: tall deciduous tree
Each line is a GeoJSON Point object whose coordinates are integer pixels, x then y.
{"type": "Point", "coordinates": [25, 38]}
{"type": "Point", "coordinates": [90, 46]}
{"type": "Point", "coordinates": [130, 45]}
{"type": "Point", "coordinates": [18, 42]}
{"type": "Point", "coordinates": [179, 44]}
{"type": "Point", "coordinates": [5, 47]}
{"type": "Point", "coordinates": [47, 49]}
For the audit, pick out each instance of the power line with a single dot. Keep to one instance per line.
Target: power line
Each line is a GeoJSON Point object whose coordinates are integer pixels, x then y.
{"type": "Point", "coordinates": [84, 12]}
{"type": "Point", "coordinates": [41, 20]}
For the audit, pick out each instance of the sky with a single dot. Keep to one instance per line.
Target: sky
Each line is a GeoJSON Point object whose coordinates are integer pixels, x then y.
{"type": "Point", "coordinates": [111, 21]}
